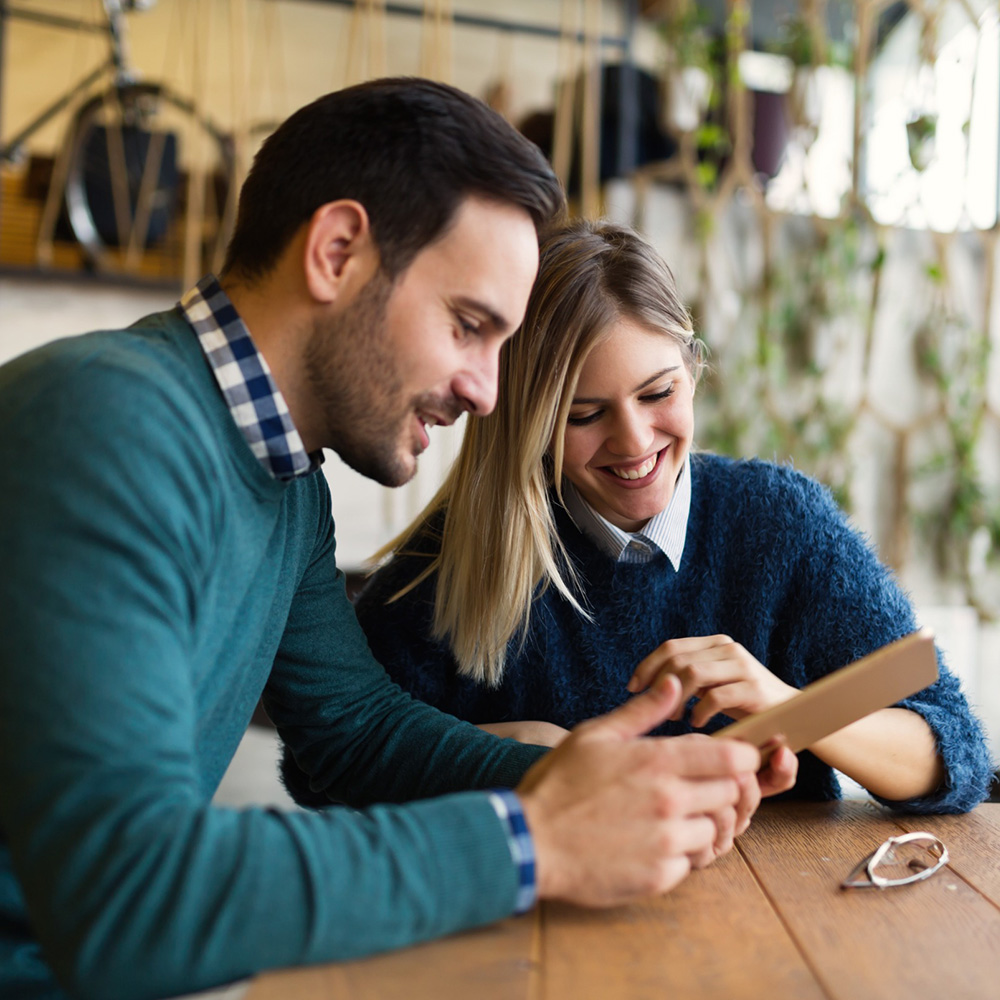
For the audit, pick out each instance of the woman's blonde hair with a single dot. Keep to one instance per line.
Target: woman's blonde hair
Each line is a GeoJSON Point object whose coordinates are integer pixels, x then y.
{"type": "Point", "coordinates": [498, 548]}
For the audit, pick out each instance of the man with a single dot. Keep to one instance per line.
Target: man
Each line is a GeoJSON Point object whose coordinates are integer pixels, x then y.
{"type": "Point", "coordinates": [169, 557]}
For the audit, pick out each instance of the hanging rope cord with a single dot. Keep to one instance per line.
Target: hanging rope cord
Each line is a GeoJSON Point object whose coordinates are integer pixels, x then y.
{"type": "Point", "coordinates": [366, 46]}
{"type": "Point", "coordinates": [578, 100]}
{"type": "Point", "coordinates": [83, 44]}
{"type": "Point", "coordinates": [436, 29]}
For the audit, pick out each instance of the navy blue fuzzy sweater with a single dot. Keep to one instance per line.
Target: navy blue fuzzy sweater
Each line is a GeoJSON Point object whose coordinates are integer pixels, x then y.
{"type": "Point", "coordinates": [769, 560]}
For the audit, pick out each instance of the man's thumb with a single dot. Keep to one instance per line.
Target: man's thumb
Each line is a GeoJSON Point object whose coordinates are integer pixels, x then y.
{"type": "Point", "coordinates": [642, 712]}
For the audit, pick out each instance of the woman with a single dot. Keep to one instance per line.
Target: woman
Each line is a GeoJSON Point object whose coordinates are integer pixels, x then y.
{"type": "Point", "coordinates": [580, 547]}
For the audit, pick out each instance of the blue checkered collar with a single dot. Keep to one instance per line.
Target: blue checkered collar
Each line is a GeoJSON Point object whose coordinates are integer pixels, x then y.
{"type": "Point", "coordinates": [255, 402]}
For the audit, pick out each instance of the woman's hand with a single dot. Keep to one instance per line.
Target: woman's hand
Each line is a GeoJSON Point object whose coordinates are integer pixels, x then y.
{"type": "Point", "coordinates": [717, 671]}
{"type": "Point", "coordinates": [543, 734]}
{"type": "Point", "coordinates": [779, 774]}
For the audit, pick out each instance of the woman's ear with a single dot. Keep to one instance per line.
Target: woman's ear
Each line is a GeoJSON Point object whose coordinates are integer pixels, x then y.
{"type": "Point", "coordinates": [339, 250]}
{"type": "Point", "coordinates": [699, 362]}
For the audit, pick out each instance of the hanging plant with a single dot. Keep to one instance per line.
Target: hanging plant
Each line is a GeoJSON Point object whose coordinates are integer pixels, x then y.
{"type": "Point", "coordinates": [694, 76]}
{"type": "Point", "coordinates": [803, 43]}
{"type": "Point", "coordinates": [952, 357]}
{"type": "Point", "coordinates": [774, 399]}
{"type": "Point", "coordinates": [921, 126]}
{"type": "Point", "coordinates": [686, 29]}
{"type": "Point", "coordinates": [688, 95]}
{"type": "Point", "coordinates": [921, 140]}
{"type": "Point", "coordinates": [799, 349]}
{"type": "Point", "coordinates": [688, 76]}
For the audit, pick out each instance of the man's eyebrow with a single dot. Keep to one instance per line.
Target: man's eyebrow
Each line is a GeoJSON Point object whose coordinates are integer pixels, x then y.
{"type": "Point", "coordinates": [643, 385]}
{"type": "Point", "coordinates": [498, 322]}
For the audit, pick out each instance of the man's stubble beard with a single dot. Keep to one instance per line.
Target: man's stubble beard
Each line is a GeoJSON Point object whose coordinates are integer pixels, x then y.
{"type": "Point", "coordinates": [356, 383]}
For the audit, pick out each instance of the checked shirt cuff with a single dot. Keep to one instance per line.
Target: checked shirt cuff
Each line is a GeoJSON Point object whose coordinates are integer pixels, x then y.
{"type": "Point", "coordinates": [522, 848]}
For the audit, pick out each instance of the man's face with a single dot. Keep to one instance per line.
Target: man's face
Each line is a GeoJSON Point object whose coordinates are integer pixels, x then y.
{"type": "Point", "coordinates": [420, 351]}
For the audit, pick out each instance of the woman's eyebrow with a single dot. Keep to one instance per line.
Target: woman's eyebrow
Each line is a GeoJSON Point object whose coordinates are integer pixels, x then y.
{"type": "Point", "coordinates": [653, 378]}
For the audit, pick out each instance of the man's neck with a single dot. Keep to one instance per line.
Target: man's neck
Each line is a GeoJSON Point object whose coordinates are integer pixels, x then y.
{"type": "Point", "coordinates": [278, 316]}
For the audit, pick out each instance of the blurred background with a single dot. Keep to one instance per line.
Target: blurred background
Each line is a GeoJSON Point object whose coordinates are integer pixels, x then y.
{"type": "Point", "coordinates": [821, 176]}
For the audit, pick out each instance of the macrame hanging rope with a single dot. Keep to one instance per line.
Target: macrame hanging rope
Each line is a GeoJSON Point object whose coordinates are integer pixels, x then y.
{"type": "Point", "coordinates": [788, 304]}
{"type": "Point", "coordinates": [590, 114]}
{"type": "Point", "coordinates": [577, 118]}
{"type": "Point", "coordinates": [567, 67]}
{"type": "Point", "coordinates": [195, 140]}
{"type": "Point", "coordinates": [436, 41]}
{"type": "Point", "coordinates": [240, 85]}
{"type": "Point", "coordinates": [84, 44]}
{"type": "Point", "coordinates": [500, 91]}
{"type": "Point", "coordinates": [366, 45]}
{"type": "Point", "coordinates": [268, 85]}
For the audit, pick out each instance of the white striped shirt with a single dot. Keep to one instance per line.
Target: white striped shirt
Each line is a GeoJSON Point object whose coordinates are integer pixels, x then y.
{"type": "Point", "coordinates": [666, 532]}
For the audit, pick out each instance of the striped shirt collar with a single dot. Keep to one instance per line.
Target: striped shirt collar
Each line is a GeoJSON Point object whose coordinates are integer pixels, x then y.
{"type": "Point", "coordinates": [666, 532]}
{"type": "Point", "coordinates": [254, 400]}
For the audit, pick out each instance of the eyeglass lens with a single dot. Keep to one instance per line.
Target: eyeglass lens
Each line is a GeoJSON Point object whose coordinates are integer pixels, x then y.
{"type": "Point", "coordinates": [903, 860]}
{"type": "Point", "coordinates": [910, 857]}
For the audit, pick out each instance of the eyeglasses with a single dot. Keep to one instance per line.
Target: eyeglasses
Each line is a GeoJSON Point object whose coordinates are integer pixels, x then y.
{"type": "Point", "coordinates": [901, 860]}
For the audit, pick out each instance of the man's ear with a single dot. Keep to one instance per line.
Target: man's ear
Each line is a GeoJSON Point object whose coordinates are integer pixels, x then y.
{"type": "Point", "coordinates": [339, 249]}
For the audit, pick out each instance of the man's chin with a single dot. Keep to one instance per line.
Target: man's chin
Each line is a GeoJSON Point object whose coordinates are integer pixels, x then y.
{"type": "Point", "coordinates": [386, 470]}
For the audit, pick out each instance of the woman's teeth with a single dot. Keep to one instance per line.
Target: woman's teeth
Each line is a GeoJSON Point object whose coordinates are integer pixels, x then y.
{"type": "Point", "coordinates": [644, 470]}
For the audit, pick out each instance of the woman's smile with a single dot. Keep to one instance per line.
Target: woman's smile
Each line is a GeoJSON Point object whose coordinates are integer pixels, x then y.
{"type": "Point", "coordinates": [636, 475]}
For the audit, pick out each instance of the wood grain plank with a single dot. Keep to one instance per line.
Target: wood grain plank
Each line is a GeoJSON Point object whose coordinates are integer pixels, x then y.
{"type": "Point", "coordinates": [698, 941]}
{"type": "Point", "coordinates": [928, 940]}
{"type": "Point", "coordinates": [495, 963]}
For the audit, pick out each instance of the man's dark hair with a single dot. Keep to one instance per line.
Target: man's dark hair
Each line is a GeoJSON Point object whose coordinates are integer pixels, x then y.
{"type": "Point", "coordinates": [409, 150]}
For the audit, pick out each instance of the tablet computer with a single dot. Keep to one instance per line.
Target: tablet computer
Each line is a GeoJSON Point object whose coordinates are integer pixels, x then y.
{"type": "Point", "coordinates": [876, 681]}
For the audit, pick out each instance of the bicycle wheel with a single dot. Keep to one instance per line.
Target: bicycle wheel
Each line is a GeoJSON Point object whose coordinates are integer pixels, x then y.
{"type": "Point", "coordinates": [129, 181]}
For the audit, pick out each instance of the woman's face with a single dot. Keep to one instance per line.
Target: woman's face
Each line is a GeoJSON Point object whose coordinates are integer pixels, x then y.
{"type": "Point", "coordinates": [630, 424]}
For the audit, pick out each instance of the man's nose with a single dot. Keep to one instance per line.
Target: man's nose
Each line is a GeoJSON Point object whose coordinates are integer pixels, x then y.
{"type": "Point", "coordinates": [476, 385]}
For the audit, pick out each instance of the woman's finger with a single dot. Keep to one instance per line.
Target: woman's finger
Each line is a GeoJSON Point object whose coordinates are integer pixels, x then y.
{"type": "Point", "coordinates": [699, 679]}
{"type": "Point", "coordinates": [669, 651]}
{"type": "Point", "coordinates": [733, 699]}
{"type": "Point", "coordinates": [780, 772]}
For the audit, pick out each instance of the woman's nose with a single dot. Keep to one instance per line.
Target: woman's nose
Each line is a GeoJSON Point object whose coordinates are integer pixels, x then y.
{"type": "Point", "coordinates": [630, 435]}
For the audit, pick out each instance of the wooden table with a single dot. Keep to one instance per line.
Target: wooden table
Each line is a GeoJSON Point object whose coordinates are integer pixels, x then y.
{"type": "Point", "coordinates": [767, 921]}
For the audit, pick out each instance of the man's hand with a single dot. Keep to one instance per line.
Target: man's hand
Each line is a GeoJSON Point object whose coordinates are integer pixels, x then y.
{"type": "Point", "coordinates": [543, 734]}
{"type": "Point", "coordinates": [719, 672]}
{"type": "Point", "coordinates": [615, 817]}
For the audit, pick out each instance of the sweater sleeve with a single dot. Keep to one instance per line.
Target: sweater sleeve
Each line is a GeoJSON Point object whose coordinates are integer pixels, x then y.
{"type": "Point", "coordinates": [135, 885]}
{"type": "Point", "coordinates": [843, 604]}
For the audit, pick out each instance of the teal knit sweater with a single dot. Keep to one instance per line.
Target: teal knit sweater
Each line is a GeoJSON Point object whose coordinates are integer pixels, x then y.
{"type": "Point", "coordinates": [768, 560]}
{"type": "Point", "coordinates": [155, 582]}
